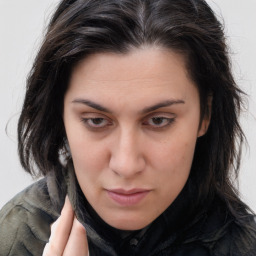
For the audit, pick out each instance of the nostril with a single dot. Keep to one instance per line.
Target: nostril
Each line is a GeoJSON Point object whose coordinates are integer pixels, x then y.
{"type": "Point", "coordinates": [127, 167]}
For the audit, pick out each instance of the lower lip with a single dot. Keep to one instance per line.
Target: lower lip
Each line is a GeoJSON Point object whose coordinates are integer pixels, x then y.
{"type": "Point", "coordinates": [127, 199]}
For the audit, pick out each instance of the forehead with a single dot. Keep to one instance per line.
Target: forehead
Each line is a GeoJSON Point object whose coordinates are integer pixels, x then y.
{"type": "Point", "coordinates": [144, 63]}
{"type": "Point", "coordinates": [140, 74]}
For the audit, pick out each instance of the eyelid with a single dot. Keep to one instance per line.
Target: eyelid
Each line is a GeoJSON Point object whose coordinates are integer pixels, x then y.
{"type": "Point", "coordinates": [86, 117]}
{"type": "Point", "coordinates": [93, 115]}
{"type": "Point", "coordinates": [160, 114]}
{"type": "Point", "coordinates": [170, 117]}
{"type": "Point", "coordinates": [95, 128]}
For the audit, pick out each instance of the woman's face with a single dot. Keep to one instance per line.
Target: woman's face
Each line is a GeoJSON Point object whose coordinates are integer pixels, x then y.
{"type": "Point", "coordinates": [132, 122]}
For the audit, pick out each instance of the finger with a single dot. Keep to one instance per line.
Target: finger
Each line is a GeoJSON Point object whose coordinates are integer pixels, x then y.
{"type": "Point", "coordinates": [77, 243]}
{"type": "Point", "coordinates": [60, 231]}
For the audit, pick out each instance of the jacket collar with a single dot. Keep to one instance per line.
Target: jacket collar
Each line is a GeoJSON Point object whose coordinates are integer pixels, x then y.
{"type": "Point", "coordinates": [161, 233]}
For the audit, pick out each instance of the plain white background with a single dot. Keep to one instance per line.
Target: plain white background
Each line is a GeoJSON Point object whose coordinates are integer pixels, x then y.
{"type": "Point", "coordinates": [22, 24]}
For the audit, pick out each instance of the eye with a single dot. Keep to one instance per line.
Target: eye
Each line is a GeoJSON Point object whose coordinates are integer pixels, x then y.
{"type": "Point", "coordinates": [158, 121]}
{"type": "Point", "coordinates": [96, 122]}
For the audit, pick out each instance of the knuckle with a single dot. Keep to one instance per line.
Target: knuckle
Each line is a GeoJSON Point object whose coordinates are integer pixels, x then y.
{"type": "Point", "coordinates": [80, 228]}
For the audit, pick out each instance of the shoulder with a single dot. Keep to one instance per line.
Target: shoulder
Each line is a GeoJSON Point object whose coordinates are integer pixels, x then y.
{"type": "Point", "coordinates": [25, 221]}
{"type": "Point", "coordinates": [216, 232]}
{"type": "Point", "coordinates": [225, 234]}
{"type": "Point", "coordinates": [238, 239]}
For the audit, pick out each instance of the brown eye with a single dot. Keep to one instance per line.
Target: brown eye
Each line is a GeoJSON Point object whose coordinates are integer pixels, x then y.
{"type": "Point", "coordinates": [97, 122]}
{"type": "Point", "coordinates": [158, 121]}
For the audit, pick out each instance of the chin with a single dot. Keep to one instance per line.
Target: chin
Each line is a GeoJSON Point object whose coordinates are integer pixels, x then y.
{"type": "Point", "coordinates": [128, 224]}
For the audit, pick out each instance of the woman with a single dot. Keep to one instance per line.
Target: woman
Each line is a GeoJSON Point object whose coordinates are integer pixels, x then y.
{"type": "Point", "coordinates": [131, 115]}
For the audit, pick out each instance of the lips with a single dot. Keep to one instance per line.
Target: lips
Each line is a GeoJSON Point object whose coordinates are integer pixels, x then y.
{"type": "Point", "coordinates": [127, 197]}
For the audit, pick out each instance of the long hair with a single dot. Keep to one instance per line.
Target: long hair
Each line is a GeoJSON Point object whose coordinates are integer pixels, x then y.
{"type": "Point", "coordinates": [80, 28]}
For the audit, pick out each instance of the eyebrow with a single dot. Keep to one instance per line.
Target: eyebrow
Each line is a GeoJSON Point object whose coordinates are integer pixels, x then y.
{"type": "Point", "coordinates": [99, 107]}
{"type": "Point", "coordinates": [92, 105]}
{"type": "Point", "coordinates": [165, 103]}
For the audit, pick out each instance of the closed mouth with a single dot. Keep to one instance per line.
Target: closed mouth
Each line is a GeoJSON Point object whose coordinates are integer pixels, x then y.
{"type": "Point", "coordinates": [127, 197]}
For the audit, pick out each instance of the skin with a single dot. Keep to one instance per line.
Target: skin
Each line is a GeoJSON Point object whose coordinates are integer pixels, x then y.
{"type": "Point", "coordinates": [68, 236]}
{"type": "Point", "coordinates": [132, 121]}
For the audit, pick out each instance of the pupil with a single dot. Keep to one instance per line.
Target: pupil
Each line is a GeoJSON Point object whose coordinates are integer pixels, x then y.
{"type": "Point", "coordinates": [97, 120]}
{"type": "Point", "coordinates": [157, 120]}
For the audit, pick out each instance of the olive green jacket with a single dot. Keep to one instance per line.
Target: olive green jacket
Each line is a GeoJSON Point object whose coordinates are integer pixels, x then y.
{"type": "Point", "coordinates": [25, 226]}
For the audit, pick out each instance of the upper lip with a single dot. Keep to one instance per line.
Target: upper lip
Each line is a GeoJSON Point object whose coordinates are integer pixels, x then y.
{"type": "Point", "coordinates": [129, 191]}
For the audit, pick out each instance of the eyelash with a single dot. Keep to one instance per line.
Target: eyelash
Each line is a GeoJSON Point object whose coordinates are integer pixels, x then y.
{"type": "Point", "coordinates": [167, 121]}
{"type": "Point", "coordinates": [91, 126]}
{"type": "Point", "coordinates": [87, 121]}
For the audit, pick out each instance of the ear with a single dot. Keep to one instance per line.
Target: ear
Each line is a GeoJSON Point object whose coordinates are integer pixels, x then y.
{"type": "Point", "coordinates": [205, 122]}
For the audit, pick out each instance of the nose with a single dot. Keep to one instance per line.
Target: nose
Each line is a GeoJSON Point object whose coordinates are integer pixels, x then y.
{"type": "Point", "coordinates": [127, 158]}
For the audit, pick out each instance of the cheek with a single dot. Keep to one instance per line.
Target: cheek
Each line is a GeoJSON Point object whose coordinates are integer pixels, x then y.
{"type": "Point", "coordinates": [172, 164]}
{"type": "Point", "coordinates": [87, 156]}
{"type": "Point", "coordinates": [175, 152]}
{"type": "Point", "coordinates": [84, 150]}
{"type": "Point", "coordinates": [173, 169]}
{"type": "Point", "coordinates": [89, 164]}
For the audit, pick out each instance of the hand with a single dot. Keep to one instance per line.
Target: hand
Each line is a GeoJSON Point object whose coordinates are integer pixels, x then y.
{"type": "Point", "coordinates": [68, 236]}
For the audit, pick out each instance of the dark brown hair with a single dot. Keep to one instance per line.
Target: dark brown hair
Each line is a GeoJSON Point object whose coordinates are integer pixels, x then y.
{"type": "Point", "coordinates": [79, 28]}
